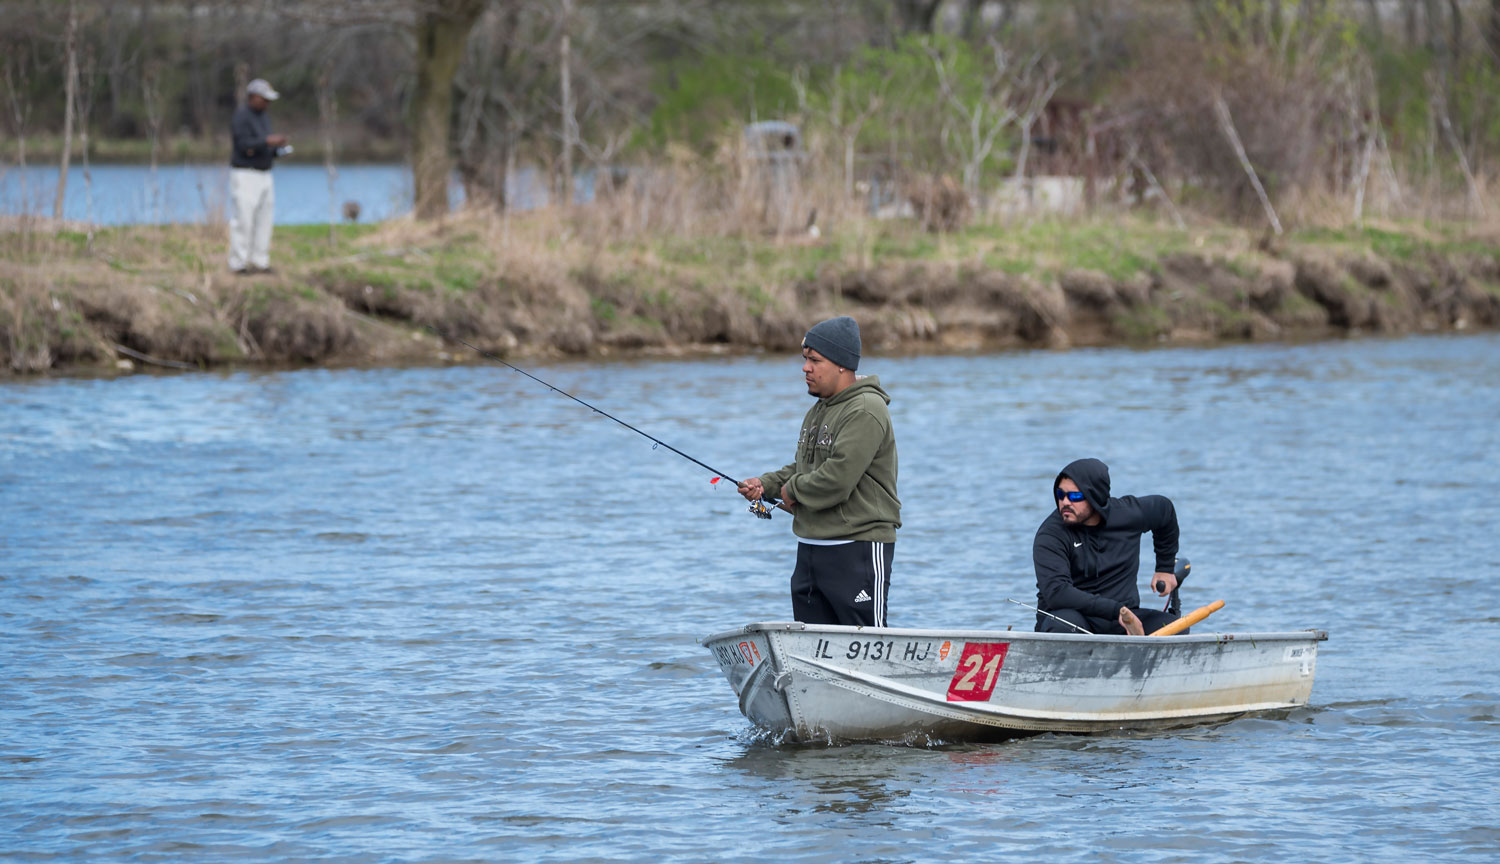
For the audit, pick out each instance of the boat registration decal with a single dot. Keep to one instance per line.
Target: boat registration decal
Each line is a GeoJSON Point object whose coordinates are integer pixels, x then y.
{"type": "Point", "coordinates": [978, 668]}
{"type": "Point", "coordinates": [743, 654]}
{"type": "Point", "coordinates": [1300, 655]}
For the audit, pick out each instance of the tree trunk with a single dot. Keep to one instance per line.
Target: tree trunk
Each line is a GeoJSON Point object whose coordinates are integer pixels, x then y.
{"type": "Point", "coordinates": [569, 122]}
{"type": "Point", "coordinates": [442, 32]}
{"type": "Point", "coordinates": [1455, 31]}
{"type": "Point", "coordinates": [1494, 33]}
{"type": "Point", "coordinates": [1430, 27]}
{"type": "Point", "coordinates": [327, 112]}
{"type": "Point", "coordinates": [1377, 30]}
{"type": "Point", "coordinates": [917, 16]}
{"type": "Point", "coordinates": [971, 18]}
{"type": "Point", "coordinates": [70, 96]}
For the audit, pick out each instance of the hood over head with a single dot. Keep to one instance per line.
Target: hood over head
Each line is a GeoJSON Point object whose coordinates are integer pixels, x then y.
{"type": "Point", "coordinates": [1092, 477]}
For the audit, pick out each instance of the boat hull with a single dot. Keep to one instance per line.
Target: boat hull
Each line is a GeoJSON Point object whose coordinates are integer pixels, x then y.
{"type": "Point", "coordinates": [813, 682]}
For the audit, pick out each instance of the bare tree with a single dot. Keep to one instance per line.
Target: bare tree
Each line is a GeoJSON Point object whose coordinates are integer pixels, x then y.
{"type": "Point", "coordinates": [87, 89]}
{"type": "Point", "coordinates": [17, 58]}
{"type": "Point", "coordinates": [569, 117]}
{"type": "Point", "coordinates": [501, 85]}
{"type": "Point", "coordinates": [848, 118]}
{"type": "Point", "coordinates": [1038, 82]}
{"type": "Point", "coordinates": [1494, 32]}
{"type": "Point", "coordinates": [917, 16]}
{"type": "Point", "coordinates": [442, 31]}
{"type": "Point", "coordinates": [984, 118]}
{"type": "Point", "coordinates": [1439, 105]}
{"type": "Point", "coordinates": [1226, 126]}
{"type": "Point", "coordinates": [70, 95]}
{"type": "Point", "coordinates": [327, 114]}
{"type": "Point", "coordinates": [151, 98]}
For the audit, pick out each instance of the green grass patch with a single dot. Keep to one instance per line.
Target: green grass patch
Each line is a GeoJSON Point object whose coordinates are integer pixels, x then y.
{"type": "Point", "coordinates": [459, 277]}
{"type": "Point", "coordinates": [756, 297]}
{"type": "Point", "coordinates": [1241, 267]}
{"type": "Point", "coordinates": [309, 243]}
{"type": "Point", "coordinates": [603, 310]}
{"type": "Point", "coordinates": [1297, 303]}
{"type": "Point", "coordinates": [1142, 324]}
{"type": "Point", "coordinates": [1389, 244]}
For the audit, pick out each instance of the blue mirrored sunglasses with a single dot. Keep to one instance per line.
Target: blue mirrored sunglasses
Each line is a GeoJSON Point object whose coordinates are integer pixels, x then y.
{"type": "Point", "coordinates": [1071, 496]}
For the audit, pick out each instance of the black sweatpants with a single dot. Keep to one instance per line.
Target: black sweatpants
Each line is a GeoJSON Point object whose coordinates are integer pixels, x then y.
{"type": "Point", "coordinates": [1151, 620]}
{"type": "Point", "coordinates": [843, 584]}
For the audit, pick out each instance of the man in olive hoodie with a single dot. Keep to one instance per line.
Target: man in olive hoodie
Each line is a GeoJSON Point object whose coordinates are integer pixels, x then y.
{"type": "Point", "coordinates": [1088, 550]}
{"type": "Point", "coordinates": [842, 487]}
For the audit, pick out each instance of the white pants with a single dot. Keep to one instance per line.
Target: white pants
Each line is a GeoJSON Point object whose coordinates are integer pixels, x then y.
{"type": "Point", "coordinates": [252, 201]}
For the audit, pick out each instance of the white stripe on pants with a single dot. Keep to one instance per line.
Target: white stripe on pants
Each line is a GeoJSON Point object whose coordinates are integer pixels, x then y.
{"type": "Point", "coordinates": [252, 203]}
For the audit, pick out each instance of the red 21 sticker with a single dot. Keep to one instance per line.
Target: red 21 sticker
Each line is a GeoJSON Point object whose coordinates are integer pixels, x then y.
{"type": "Point", "coordinates": [978, 667]}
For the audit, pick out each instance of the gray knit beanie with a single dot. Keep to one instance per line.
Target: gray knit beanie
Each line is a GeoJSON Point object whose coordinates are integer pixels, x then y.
{"type": "Point", "coordinates": [837, 339]}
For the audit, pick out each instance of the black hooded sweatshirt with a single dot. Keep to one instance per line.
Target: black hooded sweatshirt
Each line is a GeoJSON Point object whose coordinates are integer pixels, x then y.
{"type": "Point", "coordinates": [1093, 568]}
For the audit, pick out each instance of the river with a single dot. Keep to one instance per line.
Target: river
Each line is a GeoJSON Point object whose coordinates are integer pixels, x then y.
{"type": "Point", "coordinates": [124, 194]}
{"type": "Point", "coordinates": [443, 614]}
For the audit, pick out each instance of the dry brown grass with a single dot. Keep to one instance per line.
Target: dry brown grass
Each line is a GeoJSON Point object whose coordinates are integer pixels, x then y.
{"type": "Point", "coordinates": [688, 255]}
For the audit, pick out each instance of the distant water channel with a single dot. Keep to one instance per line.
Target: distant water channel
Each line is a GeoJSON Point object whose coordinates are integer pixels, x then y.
{"type": "Point", "coordinates": [114, 194]}
{"type": "Point", "coordinates": [441, 614]}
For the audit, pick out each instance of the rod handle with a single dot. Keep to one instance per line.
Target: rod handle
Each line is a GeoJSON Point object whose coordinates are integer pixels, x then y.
{"type": "Point", "coordinates": [1190, 619]}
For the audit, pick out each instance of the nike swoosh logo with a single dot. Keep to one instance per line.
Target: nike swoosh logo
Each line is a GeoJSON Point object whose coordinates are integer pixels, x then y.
{"type": "Point", "coordinates": [1076, 545]}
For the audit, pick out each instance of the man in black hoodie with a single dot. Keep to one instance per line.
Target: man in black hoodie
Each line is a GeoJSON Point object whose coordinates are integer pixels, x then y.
{"type": "Point", "coordinates": [1088, 551]}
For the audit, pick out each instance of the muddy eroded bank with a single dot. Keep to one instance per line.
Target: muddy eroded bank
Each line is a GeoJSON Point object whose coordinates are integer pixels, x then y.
{"type": "Point", "coordinates": [158, 296]}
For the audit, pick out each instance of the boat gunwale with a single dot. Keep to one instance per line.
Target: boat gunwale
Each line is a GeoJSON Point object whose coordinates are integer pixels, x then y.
{"type": "Point", "coordinates": [1012, 635]}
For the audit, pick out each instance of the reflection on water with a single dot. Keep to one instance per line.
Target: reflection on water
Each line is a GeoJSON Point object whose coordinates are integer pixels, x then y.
{"type": "Point", "coordinates": [825, 773]}
{"type": "Point", "coordinates": [442, 614]}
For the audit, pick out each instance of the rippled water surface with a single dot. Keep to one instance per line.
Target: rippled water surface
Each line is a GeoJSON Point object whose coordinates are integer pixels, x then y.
{"type": "Point", "coordinates": [444, 614]}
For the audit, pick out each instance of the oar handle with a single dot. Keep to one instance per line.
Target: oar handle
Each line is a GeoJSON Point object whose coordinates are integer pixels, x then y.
{"type": "Point", "coordinates": [1190, 619]}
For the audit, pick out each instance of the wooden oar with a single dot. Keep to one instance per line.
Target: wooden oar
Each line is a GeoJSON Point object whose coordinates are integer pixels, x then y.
{"type": "Point", "coordinates": [1190, 619]}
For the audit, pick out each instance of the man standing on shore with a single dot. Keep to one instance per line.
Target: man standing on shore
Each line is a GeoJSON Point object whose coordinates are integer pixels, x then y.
{"type": "Point", "coordinates": [252, 197]}
{"type": "Point", "coordinates": [842, 487]}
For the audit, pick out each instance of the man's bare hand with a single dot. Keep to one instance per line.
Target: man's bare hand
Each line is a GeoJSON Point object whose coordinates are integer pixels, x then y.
{"type": "Point", "coordinates": [276, 140]}
{"type": "Point", "coordinates": [752, 489]}
{"type": "Point", "coordinates": [1159, 579]}
{"type": "Point", "coordinates": [786, 497]}
{"type": "Point", "coordinates": [1131, 623]}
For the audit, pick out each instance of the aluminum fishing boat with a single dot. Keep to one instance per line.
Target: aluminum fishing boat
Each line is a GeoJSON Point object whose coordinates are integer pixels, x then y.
{"type": "Point", "coordinates": [829, 682]}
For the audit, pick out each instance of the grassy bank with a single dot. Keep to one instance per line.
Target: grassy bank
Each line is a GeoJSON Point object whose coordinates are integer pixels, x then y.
{"type": "Point", "coordinates": [546, 284]}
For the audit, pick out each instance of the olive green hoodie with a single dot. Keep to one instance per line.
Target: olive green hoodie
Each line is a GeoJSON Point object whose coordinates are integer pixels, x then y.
{"type": "Point", "coordinates": [844, 479]}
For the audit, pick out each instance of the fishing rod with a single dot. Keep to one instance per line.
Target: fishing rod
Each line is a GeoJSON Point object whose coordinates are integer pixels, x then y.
{"type": "Point", "coordinates": [1049, 615]}
{"type": "Point", "coordinates": [759, 508]}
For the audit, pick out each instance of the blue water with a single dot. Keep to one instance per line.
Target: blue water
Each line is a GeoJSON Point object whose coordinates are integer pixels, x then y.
{"type": "Point", "coordinates": [197, 192]}
{"type": "Point", "coordinates": [442, 614]}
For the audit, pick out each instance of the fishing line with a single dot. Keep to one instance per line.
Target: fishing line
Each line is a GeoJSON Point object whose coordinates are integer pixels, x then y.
{"type": "Point", "coordinates": [756, 507]}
